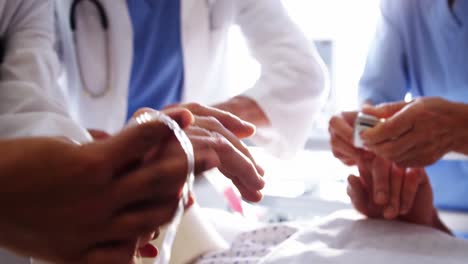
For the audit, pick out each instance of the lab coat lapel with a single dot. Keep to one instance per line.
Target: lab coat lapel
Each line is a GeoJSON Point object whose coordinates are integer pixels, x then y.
{"type": "Point", "coordinates": [195, 44]}
{"type": "Point", "coordinates": [108, 112]}
{"type": "Point", "coordinates": [121, 52]}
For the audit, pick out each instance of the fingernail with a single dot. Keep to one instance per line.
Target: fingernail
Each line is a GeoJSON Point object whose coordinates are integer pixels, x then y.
{"type": "Point", "coordinates": [381, 197]}
{"type": "Point", "coordinates": [148, 251]}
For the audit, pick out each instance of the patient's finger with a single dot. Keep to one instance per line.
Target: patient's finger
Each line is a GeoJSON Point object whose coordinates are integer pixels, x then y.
{"type": "Point", "coordinates": [381, 170]}
{"type": "Point", "coordinates": [233, 123]}
{"type": "Point", "coordinates": [392, 210]}
{"type": "Point", "coordinates": [365, 176]}
{"type": "Point", "coordinates": [410, 187]}
{"type": "Point", "coordinates": [215, 125]}
{"type": "Point", "coordinates": [234, 165]}
{"type": "Point", "coordinates": [358, 195]}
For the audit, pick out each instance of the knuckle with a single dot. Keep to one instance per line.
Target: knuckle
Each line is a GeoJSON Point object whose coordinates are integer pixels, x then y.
{"type": "Point", "coordinates": [332, 123]}
{"type": "Point", "coordinates": [220, 141]}
{"type": "Point", "coordinates": [214, 122]}
{"type": "Point", "coordinates": [194, 107]}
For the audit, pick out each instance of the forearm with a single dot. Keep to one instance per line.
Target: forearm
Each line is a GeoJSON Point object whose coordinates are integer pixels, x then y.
{"type": "Point", "coordinates": [246, 109]}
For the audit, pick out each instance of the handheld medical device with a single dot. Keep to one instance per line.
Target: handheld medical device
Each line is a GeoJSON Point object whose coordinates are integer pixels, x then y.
{"type": "Point", "coordinates": [363, 122]}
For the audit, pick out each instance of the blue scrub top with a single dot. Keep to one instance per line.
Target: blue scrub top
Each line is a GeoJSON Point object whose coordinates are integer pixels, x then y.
{"type": "Point", "coordinates": [157, 71]}
{"type": "Point", "coordinates": [421, 47]}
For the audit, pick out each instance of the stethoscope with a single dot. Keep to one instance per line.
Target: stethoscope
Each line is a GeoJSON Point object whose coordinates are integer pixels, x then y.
{"type": "Point", "coordinates": [104, 21]}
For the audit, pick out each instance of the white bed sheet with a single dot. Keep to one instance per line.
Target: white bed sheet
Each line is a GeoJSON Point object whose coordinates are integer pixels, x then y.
{"type": "Point", "coordinates": [343, 238]}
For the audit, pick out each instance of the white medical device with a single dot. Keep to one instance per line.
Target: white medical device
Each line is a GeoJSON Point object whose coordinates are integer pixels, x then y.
{"type": "Point", "coordinates": [363, 122]}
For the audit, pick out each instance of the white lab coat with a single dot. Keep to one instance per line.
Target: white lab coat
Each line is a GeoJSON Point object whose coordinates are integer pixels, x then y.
{"type": "Point", "coordinates": [289, 90]}
{"type": "Point", "coordinates": [28, 74]}
{"type": "Point", "coordinates": [28, 79]}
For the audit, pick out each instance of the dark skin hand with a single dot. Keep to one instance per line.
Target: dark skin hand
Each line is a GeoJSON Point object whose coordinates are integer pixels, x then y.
{"type": "Point", "coordinates": [122, 197]}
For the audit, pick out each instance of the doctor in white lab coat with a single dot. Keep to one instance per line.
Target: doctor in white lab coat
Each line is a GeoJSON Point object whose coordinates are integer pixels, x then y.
{"type": "Point", "coordinates": [98, 65]}
{"type": "Point", "coordinates": [29, 70]}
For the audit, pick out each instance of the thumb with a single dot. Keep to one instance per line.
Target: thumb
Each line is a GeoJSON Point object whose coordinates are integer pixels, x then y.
{"type": "Point", "coordinates": [385, 110]}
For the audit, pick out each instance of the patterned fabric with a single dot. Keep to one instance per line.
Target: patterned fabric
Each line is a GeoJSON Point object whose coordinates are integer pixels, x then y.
{"type": "Point", "coordinates": [251, 247]}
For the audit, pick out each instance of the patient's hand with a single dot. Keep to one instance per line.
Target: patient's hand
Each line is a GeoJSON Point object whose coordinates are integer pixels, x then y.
{"type": "Point", "coordinates": [409, 199]}
{"type": "Point", "coordinates": [220, 133]}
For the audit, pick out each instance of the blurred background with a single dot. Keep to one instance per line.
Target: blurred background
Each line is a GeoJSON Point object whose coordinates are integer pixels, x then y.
{"type": "Point", "coordinates": [313, 183]}
{"type": "Point", "coordinates": [341, 31]}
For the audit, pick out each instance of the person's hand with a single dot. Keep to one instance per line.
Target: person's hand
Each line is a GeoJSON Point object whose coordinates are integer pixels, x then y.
{"type": "Point", "coordinates": [90, 203]}
{"type": "Point", "coordinates": [246, 109]}
{"type": "Point", "coordinates": [341, 128]}
{"type": "Point", "coordinates": [221, 131]}
{"type": "Point", "coordinates": [415, 134]}
{"type": "Point", "coordinates": [145, 249]}
{"type": "Point", "coordinates": [410, 197]}
{"type": "Point", "coordinates": [97, 134]}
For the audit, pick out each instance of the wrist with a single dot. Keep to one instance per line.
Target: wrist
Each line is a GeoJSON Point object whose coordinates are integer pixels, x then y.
{"type": "Point", "coordinates": [459, 114]}
{"type": "Point", "coordinates": [246, 109]}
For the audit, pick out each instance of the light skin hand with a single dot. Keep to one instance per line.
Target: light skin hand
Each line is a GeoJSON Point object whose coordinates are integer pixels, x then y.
{"type": "Point", "coordinates": [417, 133]}
{"type": "Point", "coordinates": [410, 197]}
{"type": "Point", "coordinates": [221, 132]}
{"type": "Point", "coordinates": [246, 109]}
{"type": "Point", "coordinates": [121, 196]}
{"type": "Point", "coordinates": [385, 181]}
{"type": "Point", "coordinates": [341, 128]}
